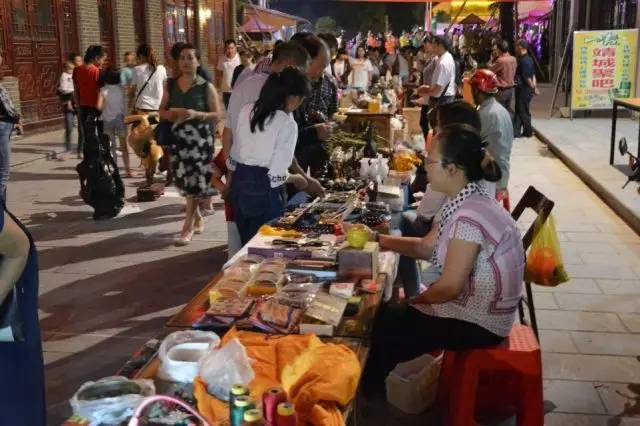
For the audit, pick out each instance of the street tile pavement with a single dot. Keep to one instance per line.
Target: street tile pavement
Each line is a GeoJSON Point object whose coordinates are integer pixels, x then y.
{"type": "Point", "coordinates": [108, 286]}
{"type": "Point", "coordinates": [589, 339]}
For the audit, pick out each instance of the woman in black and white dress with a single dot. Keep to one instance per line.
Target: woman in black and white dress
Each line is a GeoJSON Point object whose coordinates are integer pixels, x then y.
{"type": "Point", "coordinates": [191, 103]}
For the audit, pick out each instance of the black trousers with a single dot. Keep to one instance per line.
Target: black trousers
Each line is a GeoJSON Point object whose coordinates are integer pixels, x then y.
{"type": "Point", "coordinates": [504, 96]}
{"type": "Point", "coordinates": [522, 116]}
{"type": "Point", "coordinates": [402, 333]}
{"type": "Point", "coordinates": [91, 130]}
{"type": "Point", "coordinates": [424, 120]}
{"type": "Point", "coordinates": [226, 96]}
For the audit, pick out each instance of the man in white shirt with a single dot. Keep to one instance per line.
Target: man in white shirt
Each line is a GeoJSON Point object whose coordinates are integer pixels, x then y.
{"type": "Point", "coordinates": [442, 88]}
{"type": "Point", "coordinates": [289, 54]}
{"type": "Point", "coordinates": [224, 71]}
{"type": "Point", "coordinates": [148, 86]}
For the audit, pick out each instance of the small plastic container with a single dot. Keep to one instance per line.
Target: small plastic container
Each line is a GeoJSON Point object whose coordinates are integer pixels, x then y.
{"type": "Point", "coordinates": [242, 273]}
{"type": "Point", "coordinates": [249, 259]}
{"type": "Point", "coordinates": [273, 265]}
{"type": "Point", "coordinates": [230, 287]}
{"type": "Point", "coordinates": [266, 282]}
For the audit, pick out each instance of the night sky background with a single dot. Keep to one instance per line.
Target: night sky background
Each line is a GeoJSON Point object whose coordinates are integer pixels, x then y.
{"type": "Point", "coordinates": [355, 17]}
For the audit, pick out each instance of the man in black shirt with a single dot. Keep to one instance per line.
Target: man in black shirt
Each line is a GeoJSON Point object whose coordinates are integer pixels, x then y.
{"type": "Point", "coordinates": [525, 89]}
{"type": "Point", "coordinates": [316, 112]}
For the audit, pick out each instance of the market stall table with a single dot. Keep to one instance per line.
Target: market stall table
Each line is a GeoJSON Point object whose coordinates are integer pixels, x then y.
{"type": "Point", "coordinates": [357, 326]}
{"type": "Point", "coordinates": [628, 103]}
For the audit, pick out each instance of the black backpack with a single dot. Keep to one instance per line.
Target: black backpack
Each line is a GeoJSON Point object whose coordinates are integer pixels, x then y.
{"type": "Point", "coordinates": [100, 184]}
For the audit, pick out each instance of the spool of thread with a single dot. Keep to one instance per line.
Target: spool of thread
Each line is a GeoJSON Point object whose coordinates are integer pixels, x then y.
{"type": "Point", "coordinates": [240, 405]}
{"type": "Point", "coordinates": [286, 415]}
{"type": "Point", "coordinates": [270, 400]}
{"type": "Point", "coordinates": [253, 417]}
{"type": "Point", "coordinates": [237, 390]}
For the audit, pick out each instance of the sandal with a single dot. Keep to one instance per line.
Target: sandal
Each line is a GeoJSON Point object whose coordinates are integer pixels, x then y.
{"type": "Point", "coordinates": [198, 226]}
{"type": "Point", "coordinates": [184, 238]}
{"type": "Point", "coordinates": [207, 212]}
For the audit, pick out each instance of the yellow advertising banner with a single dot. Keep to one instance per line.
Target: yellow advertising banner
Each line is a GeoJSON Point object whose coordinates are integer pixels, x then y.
{"type": "Point", "coordinates": [604, 67]}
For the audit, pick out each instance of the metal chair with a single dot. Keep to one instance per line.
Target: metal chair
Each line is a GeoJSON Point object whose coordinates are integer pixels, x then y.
{"type": "Point", "coordinates": [542, 206]}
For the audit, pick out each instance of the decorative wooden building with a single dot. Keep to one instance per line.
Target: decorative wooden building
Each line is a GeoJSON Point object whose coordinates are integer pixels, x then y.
{"type": "Point", "coordinates": [37, 36]}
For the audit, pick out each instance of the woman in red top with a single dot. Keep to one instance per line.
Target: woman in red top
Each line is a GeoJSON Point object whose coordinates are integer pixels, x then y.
{"type": "Point", "coordinates": [86, 79]}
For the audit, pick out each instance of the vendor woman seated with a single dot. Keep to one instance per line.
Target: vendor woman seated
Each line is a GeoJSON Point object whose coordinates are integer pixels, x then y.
{"type": "Point", "coordinates": [478, 253]}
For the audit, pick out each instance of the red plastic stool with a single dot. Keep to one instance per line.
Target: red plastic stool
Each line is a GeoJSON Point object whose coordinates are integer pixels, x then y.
{"type": "Point", "coordinates": [460, 380]}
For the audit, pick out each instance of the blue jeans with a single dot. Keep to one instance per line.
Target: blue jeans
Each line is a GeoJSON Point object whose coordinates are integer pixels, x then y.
{"type": "Point", "coordinates": [69, 118]}
{"type": "Point", "coordinates": [253, 200]}
{"type": "Point", "coordinates": [411, 225]}
{"type": "Point", "coordinates": [5, 153]}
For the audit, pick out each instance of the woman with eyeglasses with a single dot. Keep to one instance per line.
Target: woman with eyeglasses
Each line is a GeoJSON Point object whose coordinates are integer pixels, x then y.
{"type": "Point", "coordinates": [477, 253]}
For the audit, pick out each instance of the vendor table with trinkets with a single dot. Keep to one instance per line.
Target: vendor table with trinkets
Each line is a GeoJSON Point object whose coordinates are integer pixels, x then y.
{"type": "Point", "coordinates": [293, 246]}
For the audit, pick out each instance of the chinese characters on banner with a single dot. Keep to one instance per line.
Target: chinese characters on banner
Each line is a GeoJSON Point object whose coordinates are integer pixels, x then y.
{"type": "Point", "coordinates": [604, 67]}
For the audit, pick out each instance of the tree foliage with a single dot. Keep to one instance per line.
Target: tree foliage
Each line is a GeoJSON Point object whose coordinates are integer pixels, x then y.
{"type": "Point", "coordinates": [442, 17]}
{"type": "Point", "coordinates": [326, 24]}
{"type": "Point", "coordinates": [372, 18]}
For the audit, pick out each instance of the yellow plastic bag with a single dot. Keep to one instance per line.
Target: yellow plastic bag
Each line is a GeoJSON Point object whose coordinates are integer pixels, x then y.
{"type": "Point", "coordinates": [544, 261]}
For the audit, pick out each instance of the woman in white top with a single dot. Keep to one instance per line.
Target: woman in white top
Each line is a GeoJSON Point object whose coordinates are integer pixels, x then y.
{"type": "Point", "coordinates": [361, 69]}
{"type": "Point", "coordinates": [266, 136]}
{"type": "Point", "coordinates": [148, 80]}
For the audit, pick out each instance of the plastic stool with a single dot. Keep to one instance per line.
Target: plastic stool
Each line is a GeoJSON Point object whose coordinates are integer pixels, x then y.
{"type": "Point", "coordinates": [519, 354]}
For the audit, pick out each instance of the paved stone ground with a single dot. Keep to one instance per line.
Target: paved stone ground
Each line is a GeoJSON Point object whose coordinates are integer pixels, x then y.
{"type": "Point", "coordinates": [106, 287]}
{"type": "Point", "coordinates": [584, 143]}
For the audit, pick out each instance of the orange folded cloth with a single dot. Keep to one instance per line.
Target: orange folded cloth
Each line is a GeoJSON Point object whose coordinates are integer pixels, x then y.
{"type": "Point", "coordinates": [319, 378]}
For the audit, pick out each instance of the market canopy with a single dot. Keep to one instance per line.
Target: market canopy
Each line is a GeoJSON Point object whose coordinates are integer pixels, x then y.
{"type": "Point", "coordinates": [432, 1]}
{"type": "Point", "coordinates": [253, 24]}
{"type": "Point", "coordinates": [273, 17]}
{"type": "Point", "coordinates": [472, 19]}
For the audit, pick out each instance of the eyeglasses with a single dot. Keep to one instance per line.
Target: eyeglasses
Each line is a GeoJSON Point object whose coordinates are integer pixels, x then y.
{"type": "Point", "coordinates": [430, 161]}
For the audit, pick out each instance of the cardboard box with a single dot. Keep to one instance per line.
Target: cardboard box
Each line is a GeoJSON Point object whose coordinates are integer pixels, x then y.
{"type": "Point", "coordinates": [358, 264]}
{"type": "Point", "coordinates": [413, 120]}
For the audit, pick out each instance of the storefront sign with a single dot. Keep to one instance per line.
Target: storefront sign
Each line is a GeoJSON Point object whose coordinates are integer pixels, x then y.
{"type": "Point", "coordinates": [604, 67]}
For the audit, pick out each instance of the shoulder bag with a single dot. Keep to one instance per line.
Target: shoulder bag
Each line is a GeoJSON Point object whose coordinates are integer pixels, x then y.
{"type": "Point", "coordinates": [144, 86]}
{"type": "Point", "coordinates": [164, 134]}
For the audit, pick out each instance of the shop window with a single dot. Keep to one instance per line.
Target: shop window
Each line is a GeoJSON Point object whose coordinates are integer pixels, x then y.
{"type": "Point", "coordinates": [45, 24]}
{"type": "Point", "coordinates": [179, 22]}
{"type": "Point", "coordinates": [69, 35]}
{"type": "Point", "coordinates": [216, 29]}
{"type": "Point", "coordinates": [19, 18]}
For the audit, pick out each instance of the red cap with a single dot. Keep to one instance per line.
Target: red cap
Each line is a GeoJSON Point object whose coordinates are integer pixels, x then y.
{"type": "Point", "coordinates": [485, 81]}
